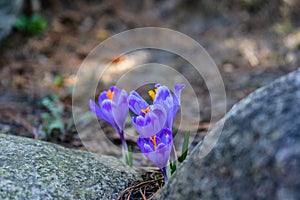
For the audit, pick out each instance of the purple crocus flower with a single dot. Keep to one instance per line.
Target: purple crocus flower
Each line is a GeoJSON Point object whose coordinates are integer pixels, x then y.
{"type": "Point", "coordinates": [157, 148]}
{"type": "Point", "coordinates": [112, 107]}
{"type": "Point", "coordinates": [162, 96]}
{"type": "Point", "coordinates": [150, 119]}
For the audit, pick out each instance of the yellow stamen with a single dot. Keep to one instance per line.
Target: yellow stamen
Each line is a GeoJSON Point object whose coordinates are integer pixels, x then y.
{"type": "Point", "coordinates": [146, 110]}
{"type": "Point", "coordinates": [110, 94]}
{"type": "Point", "coordinates": [153, 139]}
{"type": "Point", "coordinates": [152, 93]}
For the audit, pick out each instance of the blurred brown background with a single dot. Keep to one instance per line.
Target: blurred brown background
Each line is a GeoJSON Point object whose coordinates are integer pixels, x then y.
{"type": "Point", "coordinates": [253, 42]}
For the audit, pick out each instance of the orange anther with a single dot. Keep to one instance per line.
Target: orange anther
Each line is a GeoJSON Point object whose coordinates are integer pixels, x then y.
{"type": "Point", "coordinates": [110, 94]}
{"type": "Point", "coordinates": [153, 139]}
{"type": "Point", "coordinates": [146, 110]}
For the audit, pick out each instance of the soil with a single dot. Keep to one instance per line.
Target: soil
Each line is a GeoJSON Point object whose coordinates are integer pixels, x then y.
{"type": "Point", "coordinates": [250, 46]}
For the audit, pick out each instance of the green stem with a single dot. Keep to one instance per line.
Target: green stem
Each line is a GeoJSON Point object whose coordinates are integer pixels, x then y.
{"type": "Point", "coordinates": [125, 152]}
{"type": "Point", "coordinates": [124, 144]}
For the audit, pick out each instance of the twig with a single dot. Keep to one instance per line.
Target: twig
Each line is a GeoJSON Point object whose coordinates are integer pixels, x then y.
{"type": "Point", "coordinates": [153, 195]}
{"type": "Point", "coordinates": [128, 198]}
{"type": "Point", "coordinates": [144, 198]}
{"type": "Point", "coordinates": [133, 187]}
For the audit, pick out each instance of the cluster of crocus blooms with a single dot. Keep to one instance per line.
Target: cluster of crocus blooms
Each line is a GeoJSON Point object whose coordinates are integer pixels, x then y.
{"type": "Point", "coordinates": [112, 107]}
{"type": "Point", "coordinates": [152, 122]}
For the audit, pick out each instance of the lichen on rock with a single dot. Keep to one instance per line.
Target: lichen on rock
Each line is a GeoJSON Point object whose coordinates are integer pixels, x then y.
{"type": "Point", "coordinates": [32, 169]}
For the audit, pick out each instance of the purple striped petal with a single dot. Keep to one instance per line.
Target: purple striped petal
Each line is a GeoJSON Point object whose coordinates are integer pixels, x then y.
{"type": "Point", "coordinates": [114, 110]}
{"type": "Point", "coordinates": [176, 99]}
{"type": "Point", "coordinates": [102, 96]}
{"type": "Point", "coordinates": [96, 110]}
{"type": "Point", "coordinates": [106, 107]}
{"type": "Point", "coordinates": [164, 98]}
{"type": "Point", "coordinates": [136, 103]}
{"type": "Point", "coordinates": [120, 108]}
{"type": "Point", "coordinates": [150, 123]}
{"type": "Point", "coordinates": [161, 155]}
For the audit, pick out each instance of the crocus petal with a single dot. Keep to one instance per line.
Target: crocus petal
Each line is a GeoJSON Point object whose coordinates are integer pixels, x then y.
{"type": "Point", "coordinates": [147, 148]}
{"type": "Point", "coordinates": [102, 97]}
{"type": "Point", "coordinates": [176, 99]}
{"type": "Point", "coordinates": [120, 108]}
{"type": "Point", "coordinates": [106, 108]}
{"type": "Point", "coordinates": [161, 155]}
{"type": "Point", "coordinates": [114, 89]}
{"type": "Point", "coordinates": [151, 123]}
{"type": "Point", "coordinates": [96, 110]}
{"type": "Point", "coordinates": [164, 98]}
{"type": "Point", "coordinates": [157, 85]}
{"type": "Point", "coordinates": [160, 146]}
{"type": "Point", "coordinates": [113, 108]}
{"type": "Point", "coordinates": [136, 103]}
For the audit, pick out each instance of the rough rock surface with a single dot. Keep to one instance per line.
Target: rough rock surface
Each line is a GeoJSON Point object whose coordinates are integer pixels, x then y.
{"type": "Point", "coordinates": [257, 155]}
{"type": "Point", "coordinates": [31, 169]}
{"type": "Point", "coordinates": [8, 12]}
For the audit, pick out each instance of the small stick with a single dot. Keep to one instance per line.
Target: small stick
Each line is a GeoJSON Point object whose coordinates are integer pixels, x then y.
{"type": "Point", "coordinates": [128, 198]}
{"type": "Point", "coordinates": [130, 188]}
{"type": "Point", "coordinates": [144, 198]}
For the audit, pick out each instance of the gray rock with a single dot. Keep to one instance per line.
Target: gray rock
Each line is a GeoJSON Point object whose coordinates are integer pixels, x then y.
{"type": "Point", "coordinates": [257, 155]}
{"type": "Point", "coordinates": [8, 12]}
{"type": "Point", "coordinates": [32, 169]}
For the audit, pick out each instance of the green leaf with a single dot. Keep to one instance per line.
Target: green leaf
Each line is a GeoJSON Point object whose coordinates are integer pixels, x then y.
{"type": "Point", "coordinates": [58, 80]}
{"type": "Point", "coordinates": [129, 156]}
{"type": "Point", "coordinates": [185, 146]}
{"type": "Point", "coordinates": [33, 25]}
{"type": "Point", "coordinates": [173, 167]}
{"type": "Point", "coordinates": [53, 106]}
{"type": "Point", "coordinates": [46, 117]}
{"type": "Point", "coordinates": [56, 124]}
{"type": "Point", "coordinates": [169, 170]}
{"type": "Point", "coordinates": [186, 143]}
{"type": "Point", "coordinates": [21, 23]}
